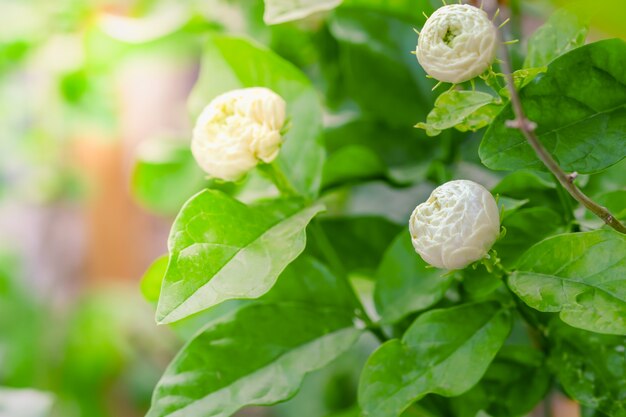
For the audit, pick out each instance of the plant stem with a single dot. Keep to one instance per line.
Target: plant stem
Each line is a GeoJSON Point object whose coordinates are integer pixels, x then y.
{"type": "Point", "coordinates": [276, 175]}
{"type": "Point", "coordinates": [333, 259]}
{"type": "Point", "coordinates": [527, 128]}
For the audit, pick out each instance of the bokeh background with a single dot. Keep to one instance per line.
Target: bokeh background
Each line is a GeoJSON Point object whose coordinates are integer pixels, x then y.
{"type": "Point", "coordinates": [93, 108]}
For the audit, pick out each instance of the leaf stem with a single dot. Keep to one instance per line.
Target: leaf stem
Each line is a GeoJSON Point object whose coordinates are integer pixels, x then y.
{"type": "Point", "coordinates": [527, 128]}
{"type": "Point", "coordinates": [333, 259]}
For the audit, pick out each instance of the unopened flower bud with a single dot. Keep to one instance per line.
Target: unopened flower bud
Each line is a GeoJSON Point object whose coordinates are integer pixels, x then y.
{"type": "Point", "coordinates": [457, 43]}
{"type": "Point", "coordinates": [456, 226]}
{"type": "Point", "coordinates": [237, 130]}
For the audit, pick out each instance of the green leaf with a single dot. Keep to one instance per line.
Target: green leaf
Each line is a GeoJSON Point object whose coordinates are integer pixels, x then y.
{"type": "Point", "coordinates": [259, 355]}
{"type": "Point", "coordinates": [24, 403]}
{"type": "Point", "coordinates": [590, 367]}
{"type": "Point", "coordinates": [359, 241]}
{"type": "Point", "coordinates": [229, 63]}
{"type": "Point", "coordinates": [221, 249]}
{"type": "Point", "coordinates": [352, 163]}
{"type": "Point", "coordinates": [165, 176]}
{"type": "Point", "coordinates": [563, 32]}
{"type": "Point", "coordinates": [405, 283]}
{"type": "Point", "coordinates": [524, 228]}
{"type": "Point", "coordinates": [580, 275]}
{"type": "Point", "coordinates": [375, 46]}
{"type": "Point", "coordinates": [403, 153]}
{"type": "Point", "coordinates": [411, 10]}
{"type": "Point", "coordinates": [152, 279]}
{"type": "Point", "coordinates": [281, 11]}
{"type": "Point", "coordinates": [463, 110]}
{"type": "Point", "coordinates": [438, 348]}
{"type": "Point", "coordinates": [516, 381]}
{"type": "Point", "coordinates": [582, 124]}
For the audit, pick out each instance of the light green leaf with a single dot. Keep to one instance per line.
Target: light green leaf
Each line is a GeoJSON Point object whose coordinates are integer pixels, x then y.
{"type": "Point", "coordinates": [404, 282]}
{"type": "Point", "coordinates": [281, 11]}
{"type": "Point", "coordinates": [580, 275]}
{"type": "Point", "coordinates": [582, 124]}
{"type": "Point", "coordinates": [221, 249]}
{"type": "Point", "coordinates": [24, 403]}
{"type": "Point", "coordinates": [464, 110]}
{"type": "Point", "coordinates": [411, 10]}
{"type": "Point", "coordinates": [564, 31]}
{"type": "Point", "coordinates": [152, 279]}
{"type": "Point", "coordinates": [590, 367]}
{"type": "Point", "coordinates": [438, 348]}
{"type": "Point", "coordinates": [166, 175]}
{"type": "Point", "coordinates": [230, 62]}
{"type": "Point", "coordinates": [259, 354]}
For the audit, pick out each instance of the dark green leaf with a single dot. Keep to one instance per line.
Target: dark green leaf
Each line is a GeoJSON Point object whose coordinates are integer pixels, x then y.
{"type": "Point", "coordinates": [166, 175]}
{"type": "Point", "coordinates": [581, 275]}
{"type": "Point", "coordinates": [438, 348]}
{"type": "Point", "coordinates": [590, 367]}
{"type": "Point", "coordinates": [564, 31]}
{"type": "Point", "coordinates": [280, 11]}
{"type": "Point", "coordinates": [582, 124]}
{"type": "Point", "coordinates": [359, 241]}
{"type": "Point", "coordinates": [374, 46]}
{"type": "Point", "coordinates": [464, 110]}
{"type": "Point", "coordinates": [259, 354]}
{"type": "Point", "coordinates": [405, 283]}
{"type": "Point", "coordinates": [524, 228]}
{"type": "Point", "coordinates": [221, 249]}
{"type": "Point", "coordinates": [230, 63]}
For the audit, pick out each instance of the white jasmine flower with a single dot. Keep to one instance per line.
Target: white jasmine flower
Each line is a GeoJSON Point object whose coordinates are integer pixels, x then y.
{"type": "Point", "coordinates": [456, 226]}
{"type": "Point", "coordinates": [237, 130]}
{"type": "Point", "coordinates": [457, 43]}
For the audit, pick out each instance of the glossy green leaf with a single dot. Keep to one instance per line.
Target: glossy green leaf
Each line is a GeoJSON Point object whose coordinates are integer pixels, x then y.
{"type": "Point", "coordinates": [590, 367]}
{"type": "Point", "coordinates": [580, 275]}
{"type": "Point", "coordinates": [405, 283]}
{"type": "Point", "coordinates": [230, 63]}
{"type": "Point", "coordinates": [165, 176]}
{"type": "Point", "coordinates": [281, 11]}
{"type": "Point", "coordinates": [259, 354]}
{"type": "Point", "coordinates": [221, 249]}
{"type": "Point", "coordinates": [438, 348]}
{"type": "Point", "coordinates": [582, 124]}
{"type": "Point", "coordinates": [564, 31]}
{"type": "Point", "coordinates": [464, 110]}
{"type": "Point", "coordinates": [24, 403]}
{"type": "Point", "coordinates": [375, 46]}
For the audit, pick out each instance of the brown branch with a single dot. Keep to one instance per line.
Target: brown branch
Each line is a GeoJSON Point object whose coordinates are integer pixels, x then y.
{"type": "Point", "coordinates": [527, 128]}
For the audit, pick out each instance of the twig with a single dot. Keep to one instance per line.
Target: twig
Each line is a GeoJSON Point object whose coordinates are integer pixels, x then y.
{"type": "Point", "coordinates": [527, 128]}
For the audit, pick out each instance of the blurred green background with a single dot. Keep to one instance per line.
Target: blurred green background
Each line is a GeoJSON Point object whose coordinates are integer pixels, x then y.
{"type": "Point", "coordinates": [94, 162]}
